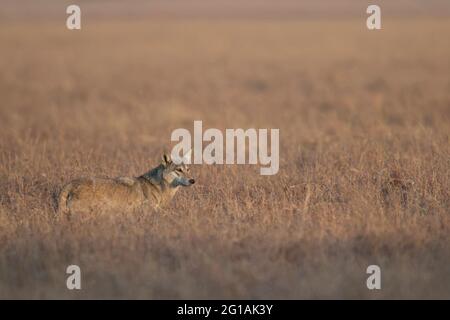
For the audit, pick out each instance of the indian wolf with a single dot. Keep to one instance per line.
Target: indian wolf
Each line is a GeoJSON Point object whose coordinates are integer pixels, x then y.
{"type": "Point", "coordinates": [155, 188]}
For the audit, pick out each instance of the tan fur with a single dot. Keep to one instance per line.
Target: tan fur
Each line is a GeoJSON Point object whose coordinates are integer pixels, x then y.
{"type": "Point", "coordinates": [154, 188]}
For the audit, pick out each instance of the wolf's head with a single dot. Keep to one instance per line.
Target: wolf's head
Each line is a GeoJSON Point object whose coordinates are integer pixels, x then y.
{"type": "Point", "coordinates": [175, 174]}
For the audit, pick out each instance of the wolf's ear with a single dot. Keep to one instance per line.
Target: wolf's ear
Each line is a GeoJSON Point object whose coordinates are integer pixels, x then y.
{"type": "Point", "coordinates": [166, 159]}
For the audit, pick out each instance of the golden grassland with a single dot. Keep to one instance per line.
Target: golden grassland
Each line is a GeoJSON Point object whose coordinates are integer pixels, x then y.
{"type": "Point", "coordinates": [364, 158]}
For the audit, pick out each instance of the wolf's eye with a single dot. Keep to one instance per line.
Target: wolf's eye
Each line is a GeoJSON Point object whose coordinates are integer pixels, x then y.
{"type": "Point", "coordinates": [179, 170]}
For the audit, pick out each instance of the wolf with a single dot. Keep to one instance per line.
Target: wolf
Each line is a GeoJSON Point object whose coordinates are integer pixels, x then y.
{"type": "Point", "coordinates": [154, 188]}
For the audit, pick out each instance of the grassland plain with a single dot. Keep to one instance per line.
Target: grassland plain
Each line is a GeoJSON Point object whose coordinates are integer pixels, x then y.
{"type": "Point", "coordinates": [364, 178]}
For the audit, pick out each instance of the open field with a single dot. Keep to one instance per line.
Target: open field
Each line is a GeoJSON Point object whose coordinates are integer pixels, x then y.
{"type": "Point", "coordinates": [364, 178]}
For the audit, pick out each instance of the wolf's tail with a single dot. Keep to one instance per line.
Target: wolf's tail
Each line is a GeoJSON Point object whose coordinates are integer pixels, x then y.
{"type": "Point", "coordinates": [63, 198]}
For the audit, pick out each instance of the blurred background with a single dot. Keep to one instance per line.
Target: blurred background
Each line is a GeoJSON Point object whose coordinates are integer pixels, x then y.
{"type": "Point", "coordinates": [364, 119]}
{"type": "Point", "coordinates": [283, 9]}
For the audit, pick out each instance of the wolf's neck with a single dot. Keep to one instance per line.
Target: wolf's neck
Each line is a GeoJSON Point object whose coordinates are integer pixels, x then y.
{"type": "Point", "coordinates": [154, 175]}
{"type": "Point", "coordinates": [154, 186]}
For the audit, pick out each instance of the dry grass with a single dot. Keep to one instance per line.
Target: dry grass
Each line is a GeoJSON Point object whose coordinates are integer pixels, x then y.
{"type": "Point", "coordinates": [364, 120]}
